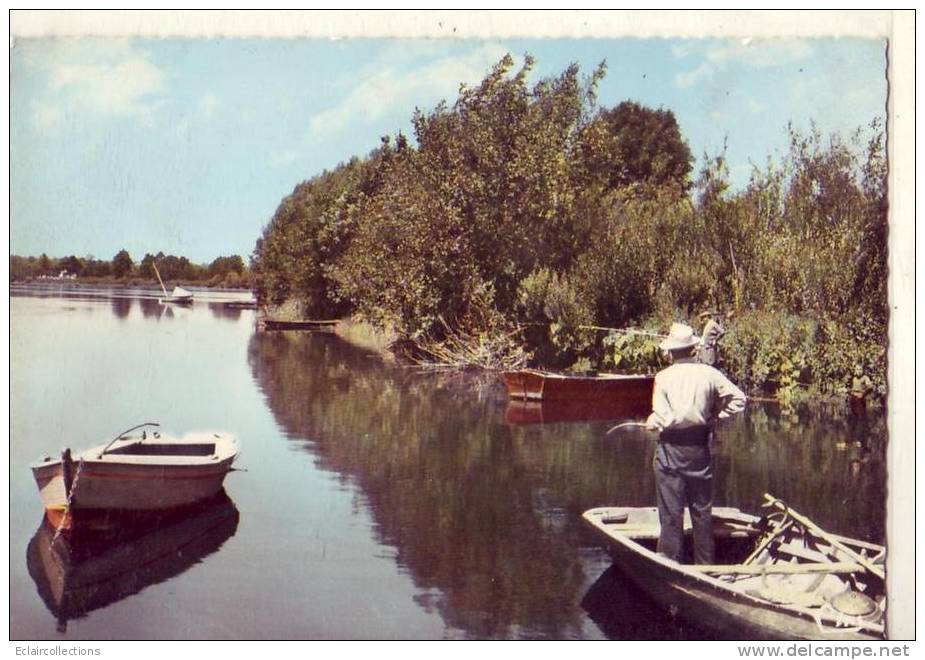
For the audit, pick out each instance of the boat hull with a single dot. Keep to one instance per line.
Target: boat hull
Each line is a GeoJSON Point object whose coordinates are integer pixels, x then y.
{"type": "Point", "coordinates": [711, 604]}
{"type": "Point", "coordinates": [136, 481]}
{"type": "Point", "coordinates": [309, 326]}
{"type": "Point", "coordinates": [557, 411]}
{"type": "Point", "coordinates": [533, 385]}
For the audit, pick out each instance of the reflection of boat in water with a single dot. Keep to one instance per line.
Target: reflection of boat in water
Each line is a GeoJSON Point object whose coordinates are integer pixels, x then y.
{"type": "Point", "coordinates": [535, 385]}
{"type": "Point", "coordinates": [785, 578]}
{"type": "Point", "coordinates": [622, 611]}
{"type": "Point", "coordinates": [140, 473]}
{"type": "Point", "coordinates": [549, 412]}
{"type": "Point", "coordinates": [81, 572]}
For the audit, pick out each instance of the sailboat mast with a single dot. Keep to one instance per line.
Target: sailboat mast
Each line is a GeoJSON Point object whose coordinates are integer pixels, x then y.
{"type": "Point", "coordinates": [159, 278]}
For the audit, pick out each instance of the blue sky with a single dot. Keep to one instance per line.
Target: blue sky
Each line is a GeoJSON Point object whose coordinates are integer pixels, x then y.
{"type": "Point", "coordinates": [188, 146]}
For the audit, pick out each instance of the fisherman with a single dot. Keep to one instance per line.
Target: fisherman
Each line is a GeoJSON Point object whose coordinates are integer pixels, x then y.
{"type": "Point", "coordinates": [861, 387]}
{"type": "Point", "coordinates": [687, 399]}
{"type": "Point", "coordinates": [713, 331]}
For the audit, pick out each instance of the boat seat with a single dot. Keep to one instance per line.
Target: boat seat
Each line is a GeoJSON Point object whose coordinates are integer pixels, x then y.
{"type": "Point", "coordinates": [165, 449]}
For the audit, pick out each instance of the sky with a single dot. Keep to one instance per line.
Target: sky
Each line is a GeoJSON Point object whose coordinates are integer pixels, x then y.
{"type": "Point", "coordinates": [188, 146]}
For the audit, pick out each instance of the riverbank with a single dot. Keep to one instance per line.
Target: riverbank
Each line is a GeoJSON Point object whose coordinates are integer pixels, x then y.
{"type": "Point", "coordinates": [125, 283]}
{"type": "Point", "coordinates": [775, 358]}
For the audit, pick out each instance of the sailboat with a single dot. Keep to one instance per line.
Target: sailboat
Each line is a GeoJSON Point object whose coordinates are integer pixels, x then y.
{"type": "Point", "coordinates": [179, 296]}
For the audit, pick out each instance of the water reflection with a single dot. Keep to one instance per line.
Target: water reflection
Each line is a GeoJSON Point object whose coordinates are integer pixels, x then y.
{"type": "Point", "coordinates": [485, 516]}
{"type": "Point", "coordinates": [93, 568]}
{"type": "Point", "coordinates": [121, 307]}
{"type": "Point", "coordinates": [224, 311]}
{"type": "Point", "coordinates": [623, 611]}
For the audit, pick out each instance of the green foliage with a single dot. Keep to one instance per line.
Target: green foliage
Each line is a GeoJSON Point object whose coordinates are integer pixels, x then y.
{"type": "Point", "coordinates": [533, 205]}
{"type": "Point", "coordinates": [770, 352]}
{"type": "Point", "coordinates": [122, 264]}
{"type": "Point", "coordinates": [224, 271]}
{"type": "Point", "coordinates": [632, 352]}
{"type": "Point", "coordinates": [410, 260]}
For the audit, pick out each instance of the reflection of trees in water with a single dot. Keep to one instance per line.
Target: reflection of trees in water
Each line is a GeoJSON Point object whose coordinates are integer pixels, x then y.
{"type": "Point", "coordinates": [150, 308]}
{"type": "Point", "coordinates": [830, 468]}
{"type": "Point", "coordinates": [489, 514]}
{"type": "Point", "coordinates": [121, 307]}
{"type": "Point", "coordinates": [220, 311]}
{"type": "Point", "coordinates": [444, 478]}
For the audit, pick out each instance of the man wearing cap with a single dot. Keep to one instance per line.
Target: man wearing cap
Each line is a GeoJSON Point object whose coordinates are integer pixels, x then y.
{"type": "Point", "coordinates": [687, 399]}
{"type": "Point", "coordinates": [712, 333]}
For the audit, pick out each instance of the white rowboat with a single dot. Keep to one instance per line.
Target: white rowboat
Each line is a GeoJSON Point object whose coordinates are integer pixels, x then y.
{"type": "Point", "coordinates": [144, 472]}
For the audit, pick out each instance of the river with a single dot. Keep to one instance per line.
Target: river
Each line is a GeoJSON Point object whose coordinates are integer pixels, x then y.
{"type": "Point", "coordinates": [377, 502]}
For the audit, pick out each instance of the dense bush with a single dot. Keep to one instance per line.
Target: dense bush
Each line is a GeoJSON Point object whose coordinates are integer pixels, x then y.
{"type": "Point", "coordinates": [534, 206]}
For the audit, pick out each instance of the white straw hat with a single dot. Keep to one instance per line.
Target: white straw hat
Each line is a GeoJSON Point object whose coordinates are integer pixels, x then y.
{"type": "Point", "coordinates": [680, 336]}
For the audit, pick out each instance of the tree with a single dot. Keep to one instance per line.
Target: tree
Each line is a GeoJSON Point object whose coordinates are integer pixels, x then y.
{"type": "Point", "coordinates": [146, 267]}
{"type": "Point", "coordinates": [72, 265]}
{"type": "Point", "coordinates": [635, 146]}
{"type": "Point", "coordinates": [122, 264]}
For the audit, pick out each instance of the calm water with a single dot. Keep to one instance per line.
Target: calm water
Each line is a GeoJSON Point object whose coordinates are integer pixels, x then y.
{"type": "Point", "coordinates": [378, 502]}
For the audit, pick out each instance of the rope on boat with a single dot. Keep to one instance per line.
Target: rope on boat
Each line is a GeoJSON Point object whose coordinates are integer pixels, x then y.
{"type": "Point", "coordinates": [67, 504]}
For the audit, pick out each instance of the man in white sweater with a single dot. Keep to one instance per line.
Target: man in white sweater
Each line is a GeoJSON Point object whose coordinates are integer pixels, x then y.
{"type": "Point", "coordinates": [687, 400]}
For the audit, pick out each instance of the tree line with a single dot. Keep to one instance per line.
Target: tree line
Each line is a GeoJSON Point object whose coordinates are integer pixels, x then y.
{"type": "Point", "coordinates": [519, 214]}
{"type": "Point", "coordinates": [227, 271]}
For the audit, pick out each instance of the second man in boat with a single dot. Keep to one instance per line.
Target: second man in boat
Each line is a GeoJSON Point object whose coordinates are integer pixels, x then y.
{"type": "Point", "coordinates": [687, 400]}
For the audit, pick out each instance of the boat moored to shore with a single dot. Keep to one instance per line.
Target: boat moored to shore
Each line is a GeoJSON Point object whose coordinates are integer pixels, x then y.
{"type": "Point", "coordinates": [633, 390]}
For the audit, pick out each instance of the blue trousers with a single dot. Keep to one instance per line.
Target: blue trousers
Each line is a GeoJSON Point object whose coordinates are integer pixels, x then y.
{"type": "Point", "coordinates": [684, 478]}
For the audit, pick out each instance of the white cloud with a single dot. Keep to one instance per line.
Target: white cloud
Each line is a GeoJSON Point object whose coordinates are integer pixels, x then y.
{"type": "Point", "coordinates": [750, 53]}
{"type": "Point", "coordinates": [390, 87]}
{"type": "Point", "coordinates": [690, 78]}
{"type": "Point", "coordinates": [110, 78]}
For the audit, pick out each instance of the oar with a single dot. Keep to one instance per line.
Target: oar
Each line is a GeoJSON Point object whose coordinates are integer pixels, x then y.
{"type": "Point", "coordinates": [624, 425]}
{"type": "Point", "coordinates": [815, 530]}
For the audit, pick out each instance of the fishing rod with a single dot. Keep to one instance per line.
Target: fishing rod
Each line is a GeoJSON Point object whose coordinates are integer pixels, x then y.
{"type": "Point", "coordinates": [624, 425]}
{"type": "Point", "coordinates": [624, 331]}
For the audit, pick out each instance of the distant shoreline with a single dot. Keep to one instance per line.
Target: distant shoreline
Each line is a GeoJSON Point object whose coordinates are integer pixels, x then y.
{"type": "Point", "coordinates": [112, 282]}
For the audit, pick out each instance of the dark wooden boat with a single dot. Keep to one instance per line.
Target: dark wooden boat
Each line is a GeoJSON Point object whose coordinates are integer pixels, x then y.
{"type": "Point", "coordinates": [535, 385]}
{"type": "Point", "coordinates": [239, 304]}
{"type": "Point", "coordinates": [316, 326]}
{"type": "Point", "coordinates": [520, 411]}
{"type": "Point", "coordinates": [789, 580]}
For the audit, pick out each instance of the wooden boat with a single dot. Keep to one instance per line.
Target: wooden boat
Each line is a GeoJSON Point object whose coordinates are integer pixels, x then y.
{"type": "Point", "coordinates": [239, 304]}
{"type": "Point", "coordinates": [78, 573]}
{"type": "Point", "coordinates": [787, 578]}
{"type": "Point", "coordinates": [316, 326]}
{"type": "Point", "coordinates": [535, 385]}
{"type": "Point", "coordinates": [520, 411]}
{"type": "Point", "coordinates": [136, 473]}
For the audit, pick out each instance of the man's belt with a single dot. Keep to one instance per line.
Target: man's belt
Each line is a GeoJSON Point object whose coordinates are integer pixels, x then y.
{"type": "Point", "coordinates": [689, 435]}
